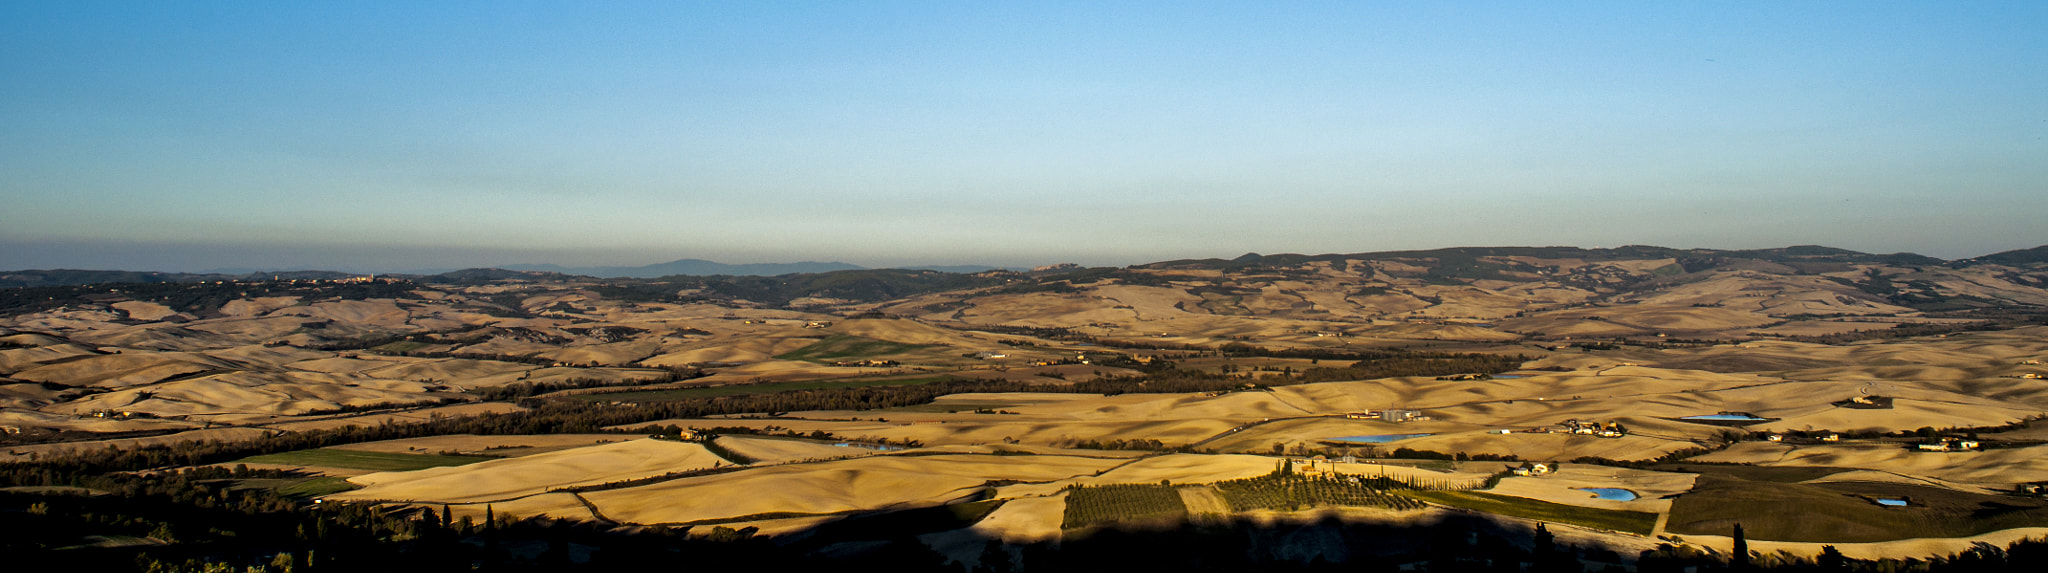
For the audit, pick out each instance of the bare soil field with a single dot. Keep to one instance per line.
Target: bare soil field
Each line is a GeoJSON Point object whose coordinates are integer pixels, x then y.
{"type": "Point", "coordinates": [832, 487]}
{"type": "Point", "coordinates": [527, 475]}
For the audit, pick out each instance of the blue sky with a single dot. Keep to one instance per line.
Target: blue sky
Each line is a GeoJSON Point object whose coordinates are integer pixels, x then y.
{"type": "Point", "coordinates": [362, 135]}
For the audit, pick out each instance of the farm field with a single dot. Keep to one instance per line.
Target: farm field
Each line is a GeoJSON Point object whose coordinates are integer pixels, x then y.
{"type": "Point", "coordinates": [1636, 522]}
{"type": "Point", "coordinates": [513, 478]}
{"type": "Point", "coordinates": [1666, 399]}
{"type": "Point", "coordinates": [1846, 511]}
{"type": "Point", "coordinates": [362, 460]}
{"type": "Point", "coordinates": [741, 389]}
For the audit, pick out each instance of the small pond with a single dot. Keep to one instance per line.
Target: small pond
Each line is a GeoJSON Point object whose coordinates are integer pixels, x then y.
{"type": "Point", "coordinates": [1508, 376]}
{"type": "Point", "coordinates": [1376, 439]}
{"type": "Point", "coordinates": [1610, 493]}
{"type": "Point", "coordinates": [1726, 417]}
{"type": "Point", "coordinates": [1892, 502]}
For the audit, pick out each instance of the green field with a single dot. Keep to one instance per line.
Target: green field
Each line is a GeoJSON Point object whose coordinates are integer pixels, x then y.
{"type": "Point", "coordinates": [1628, 521]}
{"type": "Point", "coordinates": [316, 487]}
{"type": "Point", "coordinates": [848, 347]}
{"type": "Point", "coordinates": [401, 346]}
{"type": "Point", "coordinates": [355, 460]}
{"type": "Point", "coordinates": [1845, 512]}
{"type": "Point", "coordinates": [739, 389]}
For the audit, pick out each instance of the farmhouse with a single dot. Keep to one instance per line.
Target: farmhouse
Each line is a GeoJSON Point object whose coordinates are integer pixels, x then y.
{"type": "Point", "coordinates": [1398, 415]}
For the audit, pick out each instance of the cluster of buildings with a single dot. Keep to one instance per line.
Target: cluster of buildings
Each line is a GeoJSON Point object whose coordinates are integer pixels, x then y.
{"type": "Point", "coordinates": [1575, 426]}
{"type": "Point", "coordinates": [1393, 415]}
{"type": "Point", "coordinates": [117, 415]}
{"type": "Point", "coordinates": [1319, 465]}
{"type": "Point", "coordinates": [1828, 437]}
{"type": "Point", "coordinates": [1607, 430]}
{"type": "Point", "coordinates": [1950, 445]}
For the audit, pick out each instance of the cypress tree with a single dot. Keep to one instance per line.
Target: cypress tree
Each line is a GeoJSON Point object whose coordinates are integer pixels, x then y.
{"type": "Point", "coordinates": [1740, 561]}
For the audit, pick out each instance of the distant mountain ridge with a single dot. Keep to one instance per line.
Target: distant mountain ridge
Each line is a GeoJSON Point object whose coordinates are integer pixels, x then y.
{"type": "Point", "coordinates": [1793, 254]}
{"type": "Point", "coordinates": [2034, 255]}
{"type": "Point", "coordinates": [691, 267]}
{"type": "Point", "coordinates": [1452, 262]}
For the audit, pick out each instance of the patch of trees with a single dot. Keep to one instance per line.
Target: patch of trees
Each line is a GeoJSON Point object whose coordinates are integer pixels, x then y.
{"type": "Point", "coordinates": [868, 285]}
{"type": "Point", "coordinates": [1119, 444]}
{"type": "Point", "coordinates": [1285, 490]}
{"type": "Point", "coordinates": [1121, 502]}
{"type": "Point", "coordinates": [1903, 331]}
{"type": "Point", "coordinates": [518, 391]}
{"type": "Point", "coordinates": [1050, 333]}
{"type": "Point", "coordinates": [607, 333]}
{"type": "Point", "coordinates": [638, 292]}
{"type": "Point", "coordinates": [200, 298]}
{"type": "Point", "coordinates": [1416, 364]}
{"type": "Point", "coordinates": [350, 408]}
{"type": "Point", "coordinates": [508, 304]}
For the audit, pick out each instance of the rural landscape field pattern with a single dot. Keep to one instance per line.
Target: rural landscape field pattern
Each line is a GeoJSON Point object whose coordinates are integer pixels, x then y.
{"type": "Point", "coordinates": [1639, 399]}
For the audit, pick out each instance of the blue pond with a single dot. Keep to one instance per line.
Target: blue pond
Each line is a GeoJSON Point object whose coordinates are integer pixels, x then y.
{"type": "Point", "coordinates": [1376, 439]}
{"type": "Point", "coordinates": [1892, 502]}
{"type": "Point", "coordinates": [1611, 493]}
{"type": "Point", "coordinates": [1507, 376]}
{"type": "Point", "coordinates": [1737, 417]}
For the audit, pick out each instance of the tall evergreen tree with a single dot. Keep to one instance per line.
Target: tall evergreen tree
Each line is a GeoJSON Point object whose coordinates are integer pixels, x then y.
{"type": "Point", "coordinates": [1740, 561]}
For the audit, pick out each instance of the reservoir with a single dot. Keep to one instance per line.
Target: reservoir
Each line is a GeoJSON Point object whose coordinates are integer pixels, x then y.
{"type": "Point", "coordinates": [1610, 493]}
{"type": "Point", "coordinates": [1726, 417]}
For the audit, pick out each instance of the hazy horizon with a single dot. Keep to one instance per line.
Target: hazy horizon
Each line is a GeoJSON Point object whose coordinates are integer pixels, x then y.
{"type": "Point", "coordinates": [142, 258]}
{"type": "Point", "coordinates": [395, 136]}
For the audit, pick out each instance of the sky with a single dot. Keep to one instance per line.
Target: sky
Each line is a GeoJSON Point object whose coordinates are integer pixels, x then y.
{"type": "Point", "coordinates": [179, 136]}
